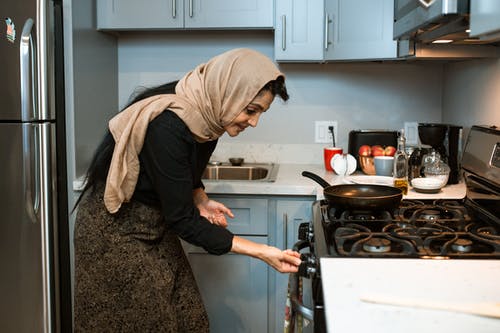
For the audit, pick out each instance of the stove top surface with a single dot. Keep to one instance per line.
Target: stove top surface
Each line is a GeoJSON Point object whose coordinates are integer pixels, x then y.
{"type": "Point", "coordinates": [441, 228]}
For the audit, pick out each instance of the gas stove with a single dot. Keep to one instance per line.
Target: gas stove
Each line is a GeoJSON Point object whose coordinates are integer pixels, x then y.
{"type": "Point", "coordinates": [417, 229]}
{"type": "Point", "coordinates": [429, 252]}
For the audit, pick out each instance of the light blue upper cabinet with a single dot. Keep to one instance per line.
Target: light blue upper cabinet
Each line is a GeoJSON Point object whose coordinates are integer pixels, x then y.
{"type": "Point", "coordinates": [184, 14]}
{"type": "Point", "coordinates": [299, 34]}
{"type": "Point", "coordinates": [145, 14]}
{"type": "Point", "coordinates": [326, 30]}
{"type": "Point", "coordinates": [485, 19]}
{"type": "Point", "coordinates": [251, 14]}
{"type": "Point", "coordinates": [362, 29]}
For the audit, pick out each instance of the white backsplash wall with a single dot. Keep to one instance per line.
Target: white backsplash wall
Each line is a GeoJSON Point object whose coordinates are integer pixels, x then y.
{"type": "Point", "coordinates": [472, 93]}
{"type": "Point", "coordinates": [357, 95]}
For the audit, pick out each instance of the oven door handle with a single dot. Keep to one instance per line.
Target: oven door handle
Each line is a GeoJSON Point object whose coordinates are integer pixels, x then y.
{"type": "Point", "coordinates": [297, 305]}
{"type": "Point", "coordinates": [302, 244]}
{"type": "Point", "coordinates": [293, 281]}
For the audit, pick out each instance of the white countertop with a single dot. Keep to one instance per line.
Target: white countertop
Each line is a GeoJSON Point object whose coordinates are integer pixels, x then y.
{"type": "Point", "coordinates": [290, 181]}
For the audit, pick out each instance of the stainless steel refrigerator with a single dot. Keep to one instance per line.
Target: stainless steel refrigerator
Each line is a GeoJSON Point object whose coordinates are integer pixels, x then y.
{"type": "Point", "coordinates": [35, 292]}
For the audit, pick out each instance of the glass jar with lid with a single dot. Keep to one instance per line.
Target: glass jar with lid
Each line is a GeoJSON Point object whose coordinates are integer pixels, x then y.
{"type": "Point", "coordinates": [433, 166]}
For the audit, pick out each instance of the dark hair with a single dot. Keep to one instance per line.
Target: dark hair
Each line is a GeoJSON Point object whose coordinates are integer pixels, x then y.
{"type": "Point", "coordinates": [99, 166]}
{"type": "Point", "coordinates": [277, 88]}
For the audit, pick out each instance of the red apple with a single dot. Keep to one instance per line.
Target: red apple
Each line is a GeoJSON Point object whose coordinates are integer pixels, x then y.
{"type": "Point", "coordinates": [389, 151]}
{"type": "Point", "coordinates": [365, 150]}
{"type": "Point", "coordinates": [377, 150]}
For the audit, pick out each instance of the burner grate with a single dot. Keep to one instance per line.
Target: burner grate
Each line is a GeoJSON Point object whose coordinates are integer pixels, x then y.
{"type": "Point", "coordinates": [442, 228]}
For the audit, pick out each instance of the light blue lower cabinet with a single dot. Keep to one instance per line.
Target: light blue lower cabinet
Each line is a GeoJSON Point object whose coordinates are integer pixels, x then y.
{"type": "Point", "coordinates": [290, 213]}
{"type": "Point", "coordinates": [234, 290]}
{"type": "Point", "coordinates": [240, 293]}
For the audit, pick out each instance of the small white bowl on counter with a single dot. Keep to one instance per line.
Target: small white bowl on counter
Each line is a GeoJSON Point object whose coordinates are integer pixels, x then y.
{"type": "Point", "coordinates": [427, 185]}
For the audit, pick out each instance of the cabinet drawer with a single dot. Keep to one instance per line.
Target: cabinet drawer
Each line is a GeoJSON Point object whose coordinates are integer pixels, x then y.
{"type": "Point", "coordinates": [250, 215]}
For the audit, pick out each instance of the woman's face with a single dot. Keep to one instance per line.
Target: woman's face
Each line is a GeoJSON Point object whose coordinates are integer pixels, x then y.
{"type": "Point", "coordinates": [250, 116]}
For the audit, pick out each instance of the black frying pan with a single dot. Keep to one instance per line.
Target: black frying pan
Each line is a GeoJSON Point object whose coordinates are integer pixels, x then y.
{"type": "Point", "coordinates": [358, 196]}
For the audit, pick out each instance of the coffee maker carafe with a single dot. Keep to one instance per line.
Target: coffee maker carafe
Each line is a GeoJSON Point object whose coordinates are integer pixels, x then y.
{"type": "Point", "coordinates": [445, 139]}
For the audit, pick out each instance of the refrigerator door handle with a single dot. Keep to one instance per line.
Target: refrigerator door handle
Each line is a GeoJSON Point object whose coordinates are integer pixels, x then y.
{"type": "Point", "coordinates": [27, 67]}
{"type": "Point", "coordinates": [31, 158]}
{"type": "Point", "coordinates": [46, 193]}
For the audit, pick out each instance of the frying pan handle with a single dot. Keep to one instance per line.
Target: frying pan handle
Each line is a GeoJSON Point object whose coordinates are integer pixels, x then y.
{"type": "Point", "coordinates": [316, 178]}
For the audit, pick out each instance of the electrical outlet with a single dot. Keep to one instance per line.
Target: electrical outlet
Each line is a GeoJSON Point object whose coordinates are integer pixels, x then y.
{"type": "Point", "coordinates": [322, 134]}
{"type": "Point", "coordinates": [411, 133]}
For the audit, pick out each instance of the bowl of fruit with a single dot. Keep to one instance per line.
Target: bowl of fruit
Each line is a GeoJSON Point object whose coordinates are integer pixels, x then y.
{"type": "Point", "coordinates": [367, 153]}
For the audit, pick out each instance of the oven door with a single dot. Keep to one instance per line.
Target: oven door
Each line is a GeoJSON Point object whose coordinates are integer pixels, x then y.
{"type": "Point", "coordinates": [411, 295]}
{"type": "Point", "coordinates": [305, 311]}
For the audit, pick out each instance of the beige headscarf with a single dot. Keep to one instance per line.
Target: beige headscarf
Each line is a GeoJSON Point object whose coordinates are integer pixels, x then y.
{"type": "Point", "coordinates": [207, 99]}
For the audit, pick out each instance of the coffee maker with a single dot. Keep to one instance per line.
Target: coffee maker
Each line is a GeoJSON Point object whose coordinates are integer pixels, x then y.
{"type": "Point", "coordinates": [446, 140]}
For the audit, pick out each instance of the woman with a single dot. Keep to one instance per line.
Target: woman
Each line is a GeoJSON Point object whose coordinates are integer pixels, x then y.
{"type": "Point", "coordinates": [144, 190]}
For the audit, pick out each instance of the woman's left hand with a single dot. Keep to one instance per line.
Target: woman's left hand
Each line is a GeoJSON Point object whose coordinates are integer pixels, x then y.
{"type": "Point", "coordinates": [215, 212]}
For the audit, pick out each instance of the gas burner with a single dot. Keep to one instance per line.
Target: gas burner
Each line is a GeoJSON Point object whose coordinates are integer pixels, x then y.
{"type": "Point", "coordinates": [429, 214]}
{"type": "Point", "coordinates": [462, 245]}
{"type": "Point", "coordinates": [357, 216]}
{"type": "Point", "coordinates": [349, 216]}
{"type": "Point", "coordinates": [486, 231]}
{"type": "Point", "coordinates": [377, 245]}
{"type": "Point", "coordinates": [439, 228]}
{"type": "Point", "coordinates": [406, 203]}
{"type": "Point", "coordinates": [453, 204]}
{"type": "Point", "coordinates": [442, 212]}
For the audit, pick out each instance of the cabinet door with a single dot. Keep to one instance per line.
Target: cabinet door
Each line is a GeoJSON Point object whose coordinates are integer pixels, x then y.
{"type": "Point", "coordinates": [234, 289]}
{"type": "Point", "coordinates": [485, 19]}
{"type": "Point", "coordinates": [229, 14]}
{"type": "Point", "coordinates": [250, 215]}
{"type": "Point", "coordinates": [362, 29]}
{"type": "Point", "coordinates": [145, 14]}
{"type": "Point", "coordinates": [290, 214]}
{"type": "Point", "coordinates": [299, 30]}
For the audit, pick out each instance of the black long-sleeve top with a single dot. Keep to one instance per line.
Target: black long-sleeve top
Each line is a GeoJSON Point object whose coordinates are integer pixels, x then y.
{"type": "Point", "coordinates": [171, 166]}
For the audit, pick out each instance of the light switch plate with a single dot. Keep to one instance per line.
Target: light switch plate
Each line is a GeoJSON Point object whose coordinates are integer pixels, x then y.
{"type": "Point", "coordinates": [411, 133]}
{"type": "Point", "coordinates": [322, 134]}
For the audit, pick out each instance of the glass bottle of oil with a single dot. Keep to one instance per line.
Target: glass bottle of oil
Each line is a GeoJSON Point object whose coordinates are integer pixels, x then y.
{"type": "Point", "coordinates": [400, 171]}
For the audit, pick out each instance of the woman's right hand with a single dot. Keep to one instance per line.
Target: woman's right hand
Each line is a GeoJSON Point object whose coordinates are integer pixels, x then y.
{"type": "Point", "coordinates": [284, 261]}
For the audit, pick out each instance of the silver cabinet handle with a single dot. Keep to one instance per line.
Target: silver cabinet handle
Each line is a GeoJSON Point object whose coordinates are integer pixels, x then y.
{"type": "Point", "coordinates": [327, 22]}
{"type": "Point", "coordinates": [174, 8]}
{"type": "Point", "coordinates": [283, 32]}
{"type": "Point", "coordinates": [190, 8]}
{"type": "Point", "coordinates": [285, 230]}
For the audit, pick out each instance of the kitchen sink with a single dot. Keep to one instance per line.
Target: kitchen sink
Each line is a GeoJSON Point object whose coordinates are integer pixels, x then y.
{"type": "Point", "coordinates": [263, 172]}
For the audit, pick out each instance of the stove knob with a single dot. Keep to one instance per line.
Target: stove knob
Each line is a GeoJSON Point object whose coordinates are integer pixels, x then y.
{"type": "Point", "coordinates": [311, 271]}
{"type": "Point", "coordinates": [303, 269]}
{"type": "Point", "coordinates": [307, 267]}
{"type": "Point", "coordinates": [304, 231]}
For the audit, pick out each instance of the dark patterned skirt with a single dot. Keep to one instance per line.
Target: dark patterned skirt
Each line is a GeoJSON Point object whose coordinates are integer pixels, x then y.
{"type": "Point", "coordinates": [131, 274]}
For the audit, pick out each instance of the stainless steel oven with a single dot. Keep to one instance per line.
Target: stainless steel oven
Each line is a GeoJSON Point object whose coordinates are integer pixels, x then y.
{"type": "Point", "coordinates": [428, 266]}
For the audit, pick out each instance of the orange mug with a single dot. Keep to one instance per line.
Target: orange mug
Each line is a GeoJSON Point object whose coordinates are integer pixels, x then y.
{"type": "Point", "coordinates": [328, 153]}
